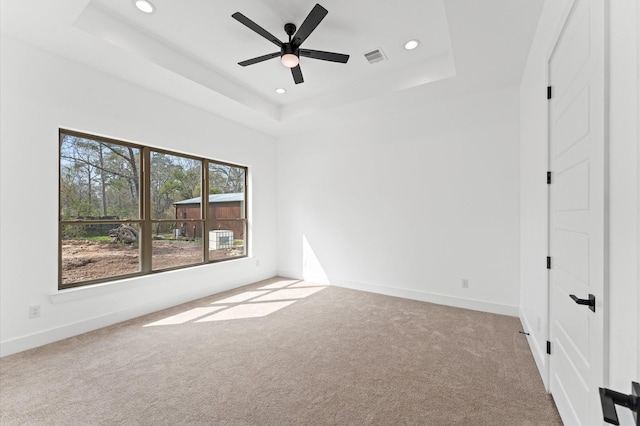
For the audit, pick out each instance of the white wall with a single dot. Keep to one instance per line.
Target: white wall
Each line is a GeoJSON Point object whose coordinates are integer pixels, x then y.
{"type": "Point", "coordinates": [407, 196]}
{"type": "Point", "coordinates": [624, 189]}
{"type": "Point", "coordinates": [41, 92]}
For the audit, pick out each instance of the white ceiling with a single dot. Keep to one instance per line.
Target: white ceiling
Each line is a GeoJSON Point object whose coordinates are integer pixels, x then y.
{"type": "Point", "coordinates": [189, 49]}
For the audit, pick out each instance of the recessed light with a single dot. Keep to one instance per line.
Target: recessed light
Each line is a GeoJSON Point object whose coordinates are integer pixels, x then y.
{"type": "Point", "coordinates": [144, 6]}
{"type": "Point", "coordinates": [411, 44]}
{"type": "Point", "coordinates": [280, 90]}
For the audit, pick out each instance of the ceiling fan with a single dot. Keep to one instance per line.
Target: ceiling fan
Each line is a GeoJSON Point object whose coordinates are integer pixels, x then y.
{"type": "Point", "coordinates": [290, 51]}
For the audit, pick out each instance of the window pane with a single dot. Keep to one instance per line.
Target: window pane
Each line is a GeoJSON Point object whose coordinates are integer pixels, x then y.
{"type": "Point", "coordinates": [182, 248]}
{"type": "Point", "coordinates": [174, 179]}
{"type": "Point", "coordinates": [97, 251]}
{"type": "Point", "coordinates": [227, 239]}
{"type": "Point", "coordinates": [227, 198]}
{"type": "Point", "coordinates": [98, 180]}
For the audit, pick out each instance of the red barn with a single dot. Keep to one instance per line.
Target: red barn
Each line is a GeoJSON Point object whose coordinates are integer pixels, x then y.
{"type": "Point", "coordinates": [225, 209]}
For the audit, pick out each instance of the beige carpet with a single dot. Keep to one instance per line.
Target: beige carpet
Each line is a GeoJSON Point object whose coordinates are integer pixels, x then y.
{"type": "Point", "coordinates": [283, 352]}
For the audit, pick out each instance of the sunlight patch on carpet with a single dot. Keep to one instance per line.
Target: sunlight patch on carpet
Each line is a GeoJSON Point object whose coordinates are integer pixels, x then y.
{"type": "Point", "coordinates": [249, 304]}
{"type": "Point", "coordinates": [288, 294]}
{"type": "Point", "coordinates": [186, 316]}
{"type": "Point", "coordinates": [247, 310]}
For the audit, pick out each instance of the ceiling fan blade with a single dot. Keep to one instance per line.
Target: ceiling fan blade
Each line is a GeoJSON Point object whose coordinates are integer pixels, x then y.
{"type": "Point", "coordinates": [297, 74]}
{"type": "Point", "coordinates": [257, 28]}
{"type": "Point", "coordinates": [325, 56]}
{"type": "Point", "coordinates": [310, 23]}
{"type": "Point", "coordinates": [259, 59]}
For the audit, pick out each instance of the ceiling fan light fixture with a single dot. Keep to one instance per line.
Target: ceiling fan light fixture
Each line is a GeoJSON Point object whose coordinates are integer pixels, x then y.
{"type": "Point", "coordinates": [411, 44]}
{"type": "Point", "coordinates": [290, 60]}
{"type": "Point", "coordinates": [144, 6]}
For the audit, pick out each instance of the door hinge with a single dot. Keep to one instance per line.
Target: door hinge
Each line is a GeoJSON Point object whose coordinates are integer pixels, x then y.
{"type": "Point", "coordinates": [548, 178]}
{"type": "Point", "coordinates": [549, 347]}
{"type": "Point", "coordinates": [548, 92]}
{"type": "Point", "coordinates": [548, 262]}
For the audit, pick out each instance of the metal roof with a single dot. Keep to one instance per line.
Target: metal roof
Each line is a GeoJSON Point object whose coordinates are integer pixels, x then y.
{"type": "Point", "coordinates": [215, 198]}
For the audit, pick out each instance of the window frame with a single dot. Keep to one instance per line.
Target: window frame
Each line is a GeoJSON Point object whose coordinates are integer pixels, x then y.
{"type": "Point", "coordinates": [145, 222]}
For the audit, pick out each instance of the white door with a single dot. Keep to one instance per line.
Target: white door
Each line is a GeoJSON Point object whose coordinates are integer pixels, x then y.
{"type": "Point", "coordinates": [577, 213]}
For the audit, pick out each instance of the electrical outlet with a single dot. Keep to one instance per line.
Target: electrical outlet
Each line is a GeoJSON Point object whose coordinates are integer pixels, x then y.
{"type": "Point", "coordinates": [34, 311]}
{"type": "Point", "coordinates": [257, 262]}
{"type": "Point", "coordinates": [465, 283]}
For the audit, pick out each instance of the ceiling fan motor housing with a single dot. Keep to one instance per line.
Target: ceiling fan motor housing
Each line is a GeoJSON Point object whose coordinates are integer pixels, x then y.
{"type": "Point", "coordinates": [287, 48]}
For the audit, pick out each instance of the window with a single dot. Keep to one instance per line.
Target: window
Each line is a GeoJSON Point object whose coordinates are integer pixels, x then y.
{"type": "Point", "coordinates": [128, 210]}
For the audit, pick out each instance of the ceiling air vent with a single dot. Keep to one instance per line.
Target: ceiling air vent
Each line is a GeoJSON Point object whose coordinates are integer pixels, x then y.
{"type": "Point", "coordinates": [375, 55]}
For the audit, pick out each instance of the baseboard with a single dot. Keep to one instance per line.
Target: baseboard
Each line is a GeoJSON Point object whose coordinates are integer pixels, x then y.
{"type": "Point", "coordinates": [440, 299]}
{"type": "Point", "coordinates": [539, 354]}
{"type": "Point", "coordinates": [23, 343]}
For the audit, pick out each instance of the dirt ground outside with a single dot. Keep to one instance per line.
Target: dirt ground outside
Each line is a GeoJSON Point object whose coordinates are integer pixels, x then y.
{"type": "Point", "coordinates": [84, 260]}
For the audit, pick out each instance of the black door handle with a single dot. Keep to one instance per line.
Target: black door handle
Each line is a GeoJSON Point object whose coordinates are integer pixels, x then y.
{"type": "Point", "coordinates": [590, 302]}
{"type": "Point", "coordinates": [609, 413]}
{"type": "Point", "coordinates": [609, 399]}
